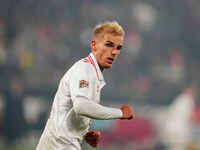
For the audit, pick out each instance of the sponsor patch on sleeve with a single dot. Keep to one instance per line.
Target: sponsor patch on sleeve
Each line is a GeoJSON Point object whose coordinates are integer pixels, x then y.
{"type": "Point", "coordinates": [83, 84]}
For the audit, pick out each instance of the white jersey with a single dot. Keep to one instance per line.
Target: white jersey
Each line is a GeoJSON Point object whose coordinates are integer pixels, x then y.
{"type": "Point", "coordinates": [177, 129]}
{"type": "Point", "coordinates": [75, 103]}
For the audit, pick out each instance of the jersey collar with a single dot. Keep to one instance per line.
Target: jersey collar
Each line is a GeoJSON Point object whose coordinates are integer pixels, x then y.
{"type": "Point", "coordinates": [96, 67]}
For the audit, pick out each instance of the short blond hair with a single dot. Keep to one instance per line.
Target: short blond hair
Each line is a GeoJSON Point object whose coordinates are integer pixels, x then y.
{"type": "Point", "coordinates": [111, 27]}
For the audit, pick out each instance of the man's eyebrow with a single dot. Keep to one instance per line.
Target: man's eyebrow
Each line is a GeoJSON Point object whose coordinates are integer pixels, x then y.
{"type": "Point", "coordinates": [110, 42]}
{"type": "Point", "coordinates": [113, 44]}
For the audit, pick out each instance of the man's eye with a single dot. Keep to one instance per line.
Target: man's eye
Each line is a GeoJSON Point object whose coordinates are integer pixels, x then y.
{"type": "Point", "coordinates": [119, 47]}
{"type": "Point", "coordinates": [109, 45]}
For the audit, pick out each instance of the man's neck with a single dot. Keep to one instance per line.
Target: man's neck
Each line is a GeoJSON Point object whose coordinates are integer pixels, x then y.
{"type": "Point", "coordinates": [101, 68]}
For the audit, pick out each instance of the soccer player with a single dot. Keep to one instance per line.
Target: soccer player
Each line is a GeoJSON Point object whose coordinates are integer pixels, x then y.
{"type": "Point", "coordinates": [177, 129]}
{"type": "Point", "coordinates": [77, 99]}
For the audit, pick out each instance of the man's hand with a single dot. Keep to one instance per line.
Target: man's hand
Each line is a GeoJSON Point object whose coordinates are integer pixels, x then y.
{"type": "Point", "coordinates": [127, 112]}
{"type": "Point", "coordinates": [92, 138]}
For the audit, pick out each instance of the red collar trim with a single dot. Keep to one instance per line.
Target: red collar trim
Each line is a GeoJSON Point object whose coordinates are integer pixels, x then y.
{"type": "Point", "coordinates": [86, 60]}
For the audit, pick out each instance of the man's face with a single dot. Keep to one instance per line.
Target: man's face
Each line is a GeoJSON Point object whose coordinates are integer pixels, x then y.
{"type": "Point", "coordinates": [106, 49]}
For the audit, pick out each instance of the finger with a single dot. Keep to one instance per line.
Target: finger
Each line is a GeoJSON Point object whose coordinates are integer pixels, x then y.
{"type": "Point", "coordinates": [98, 132]}
{"type": "Point", "coordinates": [94, 144]}
{"type": "Point", "coordinates": [130, 118]}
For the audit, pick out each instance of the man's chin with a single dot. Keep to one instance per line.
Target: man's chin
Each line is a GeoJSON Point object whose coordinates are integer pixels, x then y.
{"type": "Point", "coordinates": [107, 66]}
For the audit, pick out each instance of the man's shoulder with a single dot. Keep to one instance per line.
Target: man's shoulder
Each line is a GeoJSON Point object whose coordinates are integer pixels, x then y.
{"type": "Point", "coordinates": [81, 66]}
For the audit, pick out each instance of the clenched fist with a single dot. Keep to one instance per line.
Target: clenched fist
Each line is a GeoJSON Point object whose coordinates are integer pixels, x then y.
{"type": "Point", "coordinates": [127, 112]}
{"type": "Point", "coordinates": [92, 138]}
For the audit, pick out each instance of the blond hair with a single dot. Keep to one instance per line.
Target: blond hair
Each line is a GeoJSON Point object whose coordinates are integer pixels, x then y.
{"type": "Point", "coordinates": [111, 27]}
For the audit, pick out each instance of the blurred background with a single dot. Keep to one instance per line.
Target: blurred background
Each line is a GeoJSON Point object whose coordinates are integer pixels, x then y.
{"type": "Point", "coordinates": [157, 72]}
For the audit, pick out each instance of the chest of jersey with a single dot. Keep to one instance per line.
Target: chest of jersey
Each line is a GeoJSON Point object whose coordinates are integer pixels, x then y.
{"type": "Point", "coordinates": [97, 91]}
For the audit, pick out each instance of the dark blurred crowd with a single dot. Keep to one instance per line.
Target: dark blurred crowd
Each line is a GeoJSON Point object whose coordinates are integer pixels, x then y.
{"type": "Point", "coordinates": [40, 40]}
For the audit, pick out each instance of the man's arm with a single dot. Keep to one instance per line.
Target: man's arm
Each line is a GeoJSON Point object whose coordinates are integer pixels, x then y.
{"type": "Point", "coordinates": [90, 109]}
{"type": "Point", "coordinates": [82, 96]}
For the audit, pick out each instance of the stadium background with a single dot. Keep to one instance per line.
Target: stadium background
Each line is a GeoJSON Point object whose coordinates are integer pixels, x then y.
{"type": "Point", "coordinates": [41, 39]}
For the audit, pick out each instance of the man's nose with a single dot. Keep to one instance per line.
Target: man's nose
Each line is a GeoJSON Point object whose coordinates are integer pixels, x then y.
{"type": "Point", "coordinates": [116, 52]}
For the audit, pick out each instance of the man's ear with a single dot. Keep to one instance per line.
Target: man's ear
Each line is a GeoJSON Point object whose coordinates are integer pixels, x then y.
{"type": "Point", "coordinates": [93, 45]}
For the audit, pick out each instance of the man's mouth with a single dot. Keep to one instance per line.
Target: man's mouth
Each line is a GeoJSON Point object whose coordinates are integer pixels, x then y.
{"type": "Point", "coordinates": [110, 60]}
